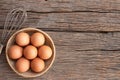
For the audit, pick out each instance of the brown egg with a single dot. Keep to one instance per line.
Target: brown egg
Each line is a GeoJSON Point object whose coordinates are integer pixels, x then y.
{"type": "Point", "coordinates": [37, 39]}
{"type": "Point", "coordinates": [15, 52]}
{"type": "Point", "coordinates": [22, 39]}
{"type": "Point", "coordinates": [44, 52]}
{"type": "Point", "coordinates": [22, 65]}
{"type": "Point", "coordinates": [30, 52]}
{"type": "Point", "coordinates": [37, 65]}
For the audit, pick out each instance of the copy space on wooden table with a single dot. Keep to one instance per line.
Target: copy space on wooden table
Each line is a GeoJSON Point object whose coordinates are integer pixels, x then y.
{"type": "Point", "coordinates": [86, 34]}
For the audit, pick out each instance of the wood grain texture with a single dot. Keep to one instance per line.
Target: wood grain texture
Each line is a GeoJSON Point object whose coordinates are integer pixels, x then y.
{"type": "Point", "coordinates": [67, 15]}
{"type": "Point", "coordinates": [86, 21]}
{"type": "Point", "coordinates": [79, 57]}
{"type": "Point", "coordinates": [80, 41]}
{"type": "Point", "coordinates": [74, 65]}
{"type": "Point", "coordinates": [87, 41]}
{"type": "Point", "coordinates": [86, 34]}
{"type": "Point", "coordinates": [63, 5]}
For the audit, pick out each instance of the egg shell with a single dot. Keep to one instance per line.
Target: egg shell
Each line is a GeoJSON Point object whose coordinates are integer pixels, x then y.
{"type": "Point", "coordinates": [22, 65]}
{"type": "Point", "coordinates": [45, 52]}
{"type": "Point", "coordinates": [30, 52]}
{"type": "Point", "coordinates": [37, 65]}
{"type": "Point", "coordinates": [37, 39]}
{"type": "Point", "coordinates": [15, 52]}
{"type": "Point", "coordinates": [22, 39]}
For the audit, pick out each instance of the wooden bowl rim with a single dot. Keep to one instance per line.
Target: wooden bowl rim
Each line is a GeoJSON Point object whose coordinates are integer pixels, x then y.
{"type": "Point", "coordinates": [44, 33]}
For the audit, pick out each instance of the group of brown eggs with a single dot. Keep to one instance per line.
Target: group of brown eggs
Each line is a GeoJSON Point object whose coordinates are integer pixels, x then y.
{"type": "Point", "coordinates": [30, 52]}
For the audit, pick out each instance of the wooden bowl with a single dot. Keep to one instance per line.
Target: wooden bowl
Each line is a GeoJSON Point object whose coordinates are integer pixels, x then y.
{"type": "Point", "coordinates": [48, 42]}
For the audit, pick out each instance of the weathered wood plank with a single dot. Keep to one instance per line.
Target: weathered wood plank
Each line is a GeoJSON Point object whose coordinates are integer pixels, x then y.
{"type": "Point", "coordinates": [74, 65]}
{"type": "Point", "coordinates": [63, 5]}
{"type": "Point", "coordinates": [86, 21]}
{"type": "Point", "coordinates": [86, 41]}
{"type": "Point", "coordinates": [75, 60]}
{"type": "Point", "coordinates": [93, 15]}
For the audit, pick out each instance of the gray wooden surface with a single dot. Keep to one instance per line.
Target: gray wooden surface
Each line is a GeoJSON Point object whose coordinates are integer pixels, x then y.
{"type": "Point", "coordinates": [86, 34]}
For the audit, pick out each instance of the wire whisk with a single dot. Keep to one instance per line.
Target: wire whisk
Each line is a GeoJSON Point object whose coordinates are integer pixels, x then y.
{"type": "Point", "coordinates": [14, 20]}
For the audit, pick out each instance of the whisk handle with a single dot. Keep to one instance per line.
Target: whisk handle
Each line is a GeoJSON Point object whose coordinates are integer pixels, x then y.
{"type": "Point", "coordinates": [1, 48]}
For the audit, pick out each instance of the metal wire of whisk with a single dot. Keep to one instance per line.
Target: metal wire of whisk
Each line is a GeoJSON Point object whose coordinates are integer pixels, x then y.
{"type": "Point", "coordinates": [14, 20]}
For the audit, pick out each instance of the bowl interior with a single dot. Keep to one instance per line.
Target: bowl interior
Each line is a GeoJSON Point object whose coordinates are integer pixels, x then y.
{"type": "Point", "coordinates": [48, 63]}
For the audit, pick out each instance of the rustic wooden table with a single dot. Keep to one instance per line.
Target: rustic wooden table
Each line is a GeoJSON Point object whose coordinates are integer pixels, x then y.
{"type": "Point", "coordinates": [86, 34]}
